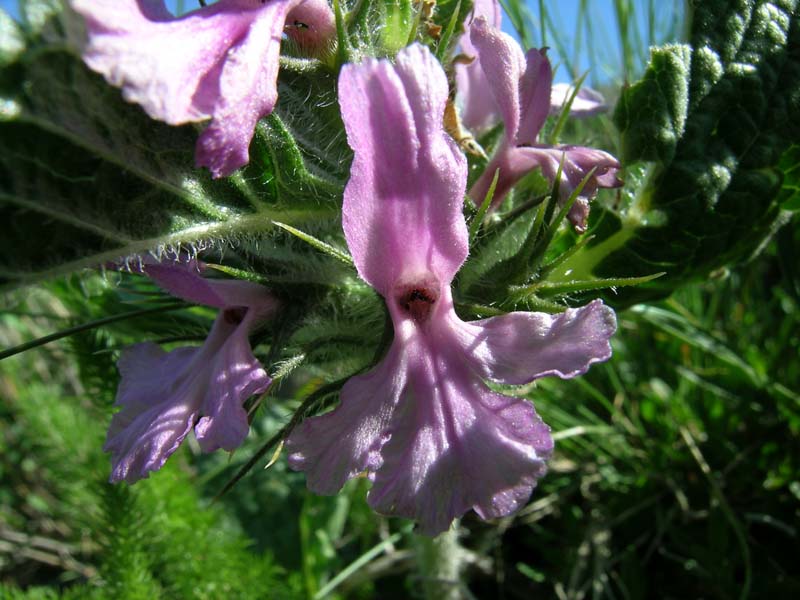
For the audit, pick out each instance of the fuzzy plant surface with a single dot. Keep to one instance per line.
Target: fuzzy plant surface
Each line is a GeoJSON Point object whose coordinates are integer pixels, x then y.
{"type": "Point", "coordinates": [355, 242]}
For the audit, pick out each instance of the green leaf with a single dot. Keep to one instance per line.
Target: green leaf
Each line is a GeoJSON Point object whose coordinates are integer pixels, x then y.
{"type": "Point", "coordinates": [87, 178]}
{"type": "Point", "coordinates": [790, 167]}
{"type": "Point", "coordinates": [713, 194]}
{"type": "Point", "coordinates": [651, 114]}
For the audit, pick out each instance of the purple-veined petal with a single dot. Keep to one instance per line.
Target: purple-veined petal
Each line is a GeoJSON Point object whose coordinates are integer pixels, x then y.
{"type": "Point", "coordinates": [158, 408]}
{"type": "Point", "coordinates": [162, 394]}
{"type": "Point", "coordinates": [452, 444]}
{"type": "Point", "coordinates": [578, 161]}
{"type": "Point", "coordinates": [519, 347]}
{"type": "Point", "coordinates": [338, 445]}
{"type": "Point", "coordinates": [587, 102]}
{"type": "Point", "coordinates": [455, 445]}
{"type": "Point", "coordinates": [233, 376]}
{"type": "Point", "coordinates": [504, 64]}
{"type": "Point", "coordinates": [425, 428]}
{"type": "Point", "coordinates": [402, 205]}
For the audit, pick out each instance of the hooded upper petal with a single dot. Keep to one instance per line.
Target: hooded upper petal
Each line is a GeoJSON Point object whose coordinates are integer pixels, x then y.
{"type": "Point", "coordinates": [503, 63]}
{"type": "Point", "coordinates": [534, 92]}
{"type": "Point", "coordinates": [402, 205]}
{"type": "Point", "coordinates": [185, 280]}
{"type": "Point", "coordinates": [219, 61]}
{"type": "Point", "coordinates": [478, 109]}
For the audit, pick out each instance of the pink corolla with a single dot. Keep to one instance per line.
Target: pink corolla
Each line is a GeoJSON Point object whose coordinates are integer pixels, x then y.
{"type": "Point", "coordinates": [586, 102]}
{"type": "Point", "coordinates": [163, 395]}
{"type": "Point", "coordinates": [521, 86]}
{"type": "Point", "coordinates": [219, 62]}
{"type": "Point", "coordinates": [479, 111]}
{"type": "Point", "coordinates": [423, 425]}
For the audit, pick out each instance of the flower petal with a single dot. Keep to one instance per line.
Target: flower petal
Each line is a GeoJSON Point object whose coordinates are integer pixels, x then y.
{"type": "Point", "coordinates": [340, 444]}
{"type": "Point", "coordinates": [184, 280]}
{"type": "Point", "coordinates": [169, 67]}
{"type": "Point", "coordinates": [247, 91]}
{"type": "Point", "coordinates": [503, 63]}
{"type": "Point", "coordinates": [454, 444]}
{"type": "Point", "coordinates": [578, 161]}
{"type": "Point", "coordinates": [219, 61]}
{"type": "Point", "coordinates": [158, 409]}
{"type": "Point", "coordinates": [234, 375]}
{"type": "Point", "coordinates": [478, 108]}
{"type": "Point", "coordinates": [515, 163]}
{"type": "Point", "coordinates": [534, 96]}
{"type": "Point", "coordinates": [519, 347]}
{"type": "Point", "coordinates": [163, 394]}
{"type": "Point", "coordinates": [402, 205]}
{"type": "Point", "coordinates": [587, 102]}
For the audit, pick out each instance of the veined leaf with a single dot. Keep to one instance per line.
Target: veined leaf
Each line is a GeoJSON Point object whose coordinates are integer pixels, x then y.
{"type": "Point", "coordinates": [86, 177]}
{"type": "Point", "coordinates": [716, 117]}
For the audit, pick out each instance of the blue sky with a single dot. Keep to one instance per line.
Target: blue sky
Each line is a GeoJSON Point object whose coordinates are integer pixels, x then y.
{"type": "Point", "coordinates": [603, 60]}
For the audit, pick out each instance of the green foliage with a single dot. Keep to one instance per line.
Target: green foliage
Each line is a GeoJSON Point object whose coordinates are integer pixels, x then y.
{"type": "Point", "coordinates": [713, 195]}
{"type": "Point", "coordinates": [155, 540]}
{"type": "Point", "coordinates": [99, 180]}
{"type": "Point", "coordinates": [651, 114]}
{"type": "Point", "coordinates": [675, 462]}
{"type": "Point", "coordinates": [789, 165]}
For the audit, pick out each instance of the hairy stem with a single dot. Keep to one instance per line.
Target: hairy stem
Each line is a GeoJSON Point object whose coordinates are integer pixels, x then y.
{"type": "Point", "coordinates": [440, 561]}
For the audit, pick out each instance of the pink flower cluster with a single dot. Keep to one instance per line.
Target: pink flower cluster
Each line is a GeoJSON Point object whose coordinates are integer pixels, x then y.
{"type": "Point", "coordinates": [423, 425]}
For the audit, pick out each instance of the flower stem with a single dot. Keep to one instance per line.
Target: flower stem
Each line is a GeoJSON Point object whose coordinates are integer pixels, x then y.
{"type": "Point", "coordinates": [439, 562]}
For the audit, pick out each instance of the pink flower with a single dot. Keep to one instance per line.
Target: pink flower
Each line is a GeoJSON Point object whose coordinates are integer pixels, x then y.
{"type": "Point", "coordinates": [521, 86]}
{"type": "Point", "coordinates": [431, 435]}
{"type": "Point", "coordinates": [478, 109]}
{"type": "Point", "coordinates": [163, 395]}
{"type": "Point", "coordinates": [587, 102]}
{"type": "Point", "coordinates": [219, 62]}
